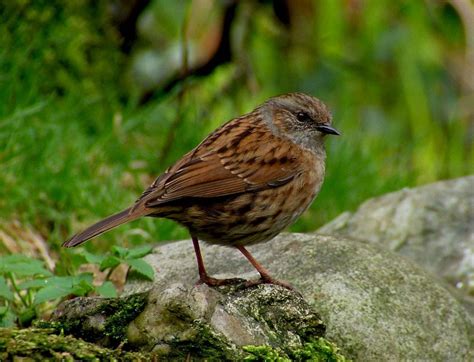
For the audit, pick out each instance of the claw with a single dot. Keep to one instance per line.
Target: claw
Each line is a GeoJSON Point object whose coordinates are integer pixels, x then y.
{"type": "Point", "coordinates": [266, 279]}
{"type": "Point", "coordinates": [214, 282]}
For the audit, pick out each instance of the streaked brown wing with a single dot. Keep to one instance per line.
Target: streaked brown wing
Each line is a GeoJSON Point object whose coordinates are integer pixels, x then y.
{"type": "Point", "coordinates": [242, 159]}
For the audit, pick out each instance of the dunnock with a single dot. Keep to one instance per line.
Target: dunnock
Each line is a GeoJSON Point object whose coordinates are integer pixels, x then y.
{"type": "Point", "coordinates": [243, 184]}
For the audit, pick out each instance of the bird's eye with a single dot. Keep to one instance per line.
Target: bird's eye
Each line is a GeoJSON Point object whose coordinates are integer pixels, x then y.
{"type": "Point", "coordinates": [303, 117]}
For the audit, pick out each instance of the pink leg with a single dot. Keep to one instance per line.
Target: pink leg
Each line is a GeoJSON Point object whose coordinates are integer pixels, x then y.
{"type": "Point", "coordinates": [203, 276]}
{"type": "Point", "coordinates": [264, 275]}
{"type": "Point", "coordinates": [200, 262]}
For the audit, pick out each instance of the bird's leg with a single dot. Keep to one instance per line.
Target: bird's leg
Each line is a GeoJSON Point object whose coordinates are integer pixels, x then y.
{"type": "Point", "coordinates": [203, 276]}
{"type": "Point", "coordinates": [264, 275]}
{"type": "Point", "coordinates": [263, 272]}
{"type": "Point", "coordinates": [197, 250]}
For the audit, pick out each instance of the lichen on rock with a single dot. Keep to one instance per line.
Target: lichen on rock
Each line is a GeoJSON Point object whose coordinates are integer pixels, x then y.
{"type": "Point", "coordinates": [433, 225]}
{"type": "Point", "coordinates": [178, 322]}
{"type": "Point", "coordinates": [100, 320]}
{"type": "Point", "coordinates": [44, 344]}
{"type": "Point", "coordinates": [217, 322]}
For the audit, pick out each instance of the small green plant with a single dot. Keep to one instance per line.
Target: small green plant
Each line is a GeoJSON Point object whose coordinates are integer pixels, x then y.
{"type": "Point", "coordinates": [28, 289]}
{"type": "Point", "coordinates": [119, 255]}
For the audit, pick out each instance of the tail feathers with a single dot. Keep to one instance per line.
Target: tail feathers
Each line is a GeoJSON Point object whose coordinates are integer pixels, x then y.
{"type": "Point", "coordinates": [102, 226]}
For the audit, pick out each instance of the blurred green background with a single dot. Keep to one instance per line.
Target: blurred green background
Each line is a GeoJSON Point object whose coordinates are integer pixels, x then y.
{"type": "Point", "coordinates": [99, 97]}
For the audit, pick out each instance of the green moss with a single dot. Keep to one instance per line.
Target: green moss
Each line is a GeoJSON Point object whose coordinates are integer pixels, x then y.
{"type": "Point", "coordinates": [206, 345]}
{"type": "Point", "coordinates": [287, 317]}
{"type": "Point", "coordinates": [123, 312]}
{"type": "Point", "coordinates": [40, 344]}
{"type": "Point", "coordinates": [264, 353]}
{"type": "Point", "coordinates": [101, 320]}
{"type": "Point", "coordinates": [319, 350]}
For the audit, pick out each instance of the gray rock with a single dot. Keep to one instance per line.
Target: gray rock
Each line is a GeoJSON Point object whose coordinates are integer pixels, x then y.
{"type": "Point", "coordinates": [375, 304]}
{"type": "Point", "coordinates": [103, 321]}
{"type": "Point", "coordinates": [203, 322]}
{"type": "Point", "coordinates": [173, 322]}
{"type": "Point", "coordinates": [432, 225]}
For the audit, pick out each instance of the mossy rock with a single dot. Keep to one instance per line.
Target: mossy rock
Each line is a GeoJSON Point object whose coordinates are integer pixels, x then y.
{"type": "Point", "coordinates": [43, 344]}
{"type": "Point", "coordinates": [202, 323]}
{"type": "Point", "coordinates": [103, 321]}
{"type": "Point", "coordinates": [319, 350]}
{"type": "Point", "coordinates": [366, 296]}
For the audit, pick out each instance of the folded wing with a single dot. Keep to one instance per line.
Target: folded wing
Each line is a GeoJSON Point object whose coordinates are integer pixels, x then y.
{"type": "Point", "coordinates": [248, 162]}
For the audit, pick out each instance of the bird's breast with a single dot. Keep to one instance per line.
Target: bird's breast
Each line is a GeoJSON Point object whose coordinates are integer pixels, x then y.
{"type": "Point", "coordinates": [253, 217]}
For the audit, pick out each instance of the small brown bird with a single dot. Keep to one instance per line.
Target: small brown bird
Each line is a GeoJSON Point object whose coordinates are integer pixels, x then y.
{"type": "Point", "coordinates": [243, 184]}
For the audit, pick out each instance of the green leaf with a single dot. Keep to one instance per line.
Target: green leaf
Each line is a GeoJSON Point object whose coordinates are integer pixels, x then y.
{"type": "Point", "coordinates": [107, 290]}
{"type": "Point", "coordinates": [139, 252]}
{"type": "Point", "coordinates": [26, 316]}
{"type": "Point", "coordinates": [92, 258]}
{"type": "Point", "coordinates": [75, 259]}
{"type": "Point", "coordinates": [5, 291]}
{"type": "Point", "coordinates": [120, 252]}
{"type": "Point", "coordinates": [21, 266]}
{"type": "Point", "coordinates": [82, 288]}
{"type": "Point", "coordinates": [51, 293]}
{"type": "Point", "coordinates": [109, 262]}
{"type": "Point", "coordinates": [142, 267]}
{"type": "Point", "coordinates": [60, 287]}
{"type": "Point", "coordinates": [33, 284]}
{"type": "Point", "coordinates": [7, 317]}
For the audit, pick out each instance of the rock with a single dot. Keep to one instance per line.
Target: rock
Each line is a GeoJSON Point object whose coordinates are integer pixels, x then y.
{"type": "Point", "coordinates": [203, 322]}
{"type": "Point", "coordinates": [47, 344]}
{"type": "Point", "coordinates": [432, 225]}
{"type": "Point", "coordinates": [103, 321]}
{"type": "Point", "coordinates": [174, 322]}
{"type": "Point", "coordinates": [375, 304]}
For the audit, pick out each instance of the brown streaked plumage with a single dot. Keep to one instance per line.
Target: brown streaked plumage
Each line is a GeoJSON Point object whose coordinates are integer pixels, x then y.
{"type": "Point", "coordinates": [244, 183]}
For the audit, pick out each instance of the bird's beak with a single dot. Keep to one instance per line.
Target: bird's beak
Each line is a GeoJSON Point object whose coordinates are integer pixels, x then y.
{"type": "Point", "coordinates": [328, 130]}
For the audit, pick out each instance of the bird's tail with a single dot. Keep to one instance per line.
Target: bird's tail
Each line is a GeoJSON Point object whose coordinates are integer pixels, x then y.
{"type": "Point", "coordinates": [103, 226]}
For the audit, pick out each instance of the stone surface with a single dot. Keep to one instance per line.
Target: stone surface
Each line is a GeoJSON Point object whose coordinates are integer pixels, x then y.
{"type": "Point", "coordinates": [375, 304]}
{"type": "Point", "coordinates": [215, 323]}
{"type": "Point", "coordinates": [432, 225]}
{"type": "Point", "coordinates": [174, 322]}
{"type": "Point", "coordinates": [103, 321]}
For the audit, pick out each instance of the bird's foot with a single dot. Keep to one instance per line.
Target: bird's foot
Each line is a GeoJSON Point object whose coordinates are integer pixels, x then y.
{"type": "Point", "coordinates": [266, 279]}
{"type": "Point", "coordinates": [214, 282]}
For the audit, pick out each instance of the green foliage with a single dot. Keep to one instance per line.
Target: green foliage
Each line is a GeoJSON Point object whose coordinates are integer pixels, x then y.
{"type": "Point", "coordinates": [28, 289]}
{"type": "Point", "coordinates": [59, 62]}
{"type": "Point", "coordinates": [119, 255]}
{"type": "Point", "coordinates": [58, 46]}
{"type": "Point", "coordinates": [320, 350]}
{"type": "Point", "coordinates": [74, 146]}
